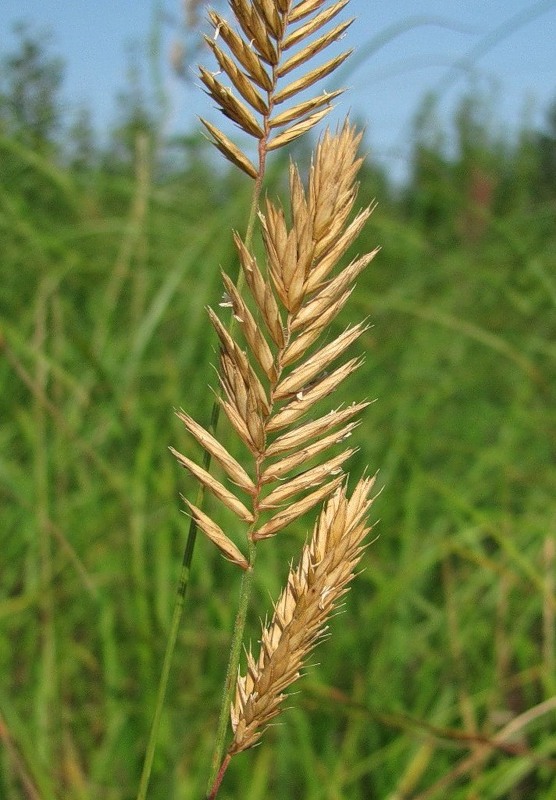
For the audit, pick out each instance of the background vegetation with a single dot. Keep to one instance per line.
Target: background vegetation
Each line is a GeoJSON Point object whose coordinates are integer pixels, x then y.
{"type": "Point", "coordinates": [440, 679]}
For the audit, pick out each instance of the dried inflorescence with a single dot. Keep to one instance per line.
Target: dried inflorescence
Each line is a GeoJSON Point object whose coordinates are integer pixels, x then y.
{"type": "Point", "coordinates": [279, 357]}
{"type": "Point", "coordinates": [313, 589]}
{"type": "Point", "coordinates": [268, 388]}
{"type": "Point", "coordinates": [273, 38]}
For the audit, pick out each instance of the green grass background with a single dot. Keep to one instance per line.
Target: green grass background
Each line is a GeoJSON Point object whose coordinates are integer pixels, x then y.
{"type": "Point", "coordinates": [448, 632]}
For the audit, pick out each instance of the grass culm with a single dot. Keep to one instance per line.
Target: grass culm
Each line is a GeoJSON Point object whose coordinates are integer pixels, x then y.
{"type": "Point", "coordinates": [278, 361]}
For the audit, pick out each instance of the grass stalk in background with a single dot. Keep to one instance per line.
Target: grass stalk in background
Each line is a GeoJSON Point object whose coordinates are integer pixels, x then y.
{"type": "Point", "coordinates": [46, 703]}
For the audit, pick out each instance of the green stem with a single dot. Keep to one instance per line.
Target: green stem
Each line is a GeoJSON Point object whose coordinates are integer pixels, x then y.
{"type": "Point", "coordinates": [173, 633]}
{"type": "Point", "coordinates": [231, 676]}
{"type": "Point", "coordinates": [163, 683]}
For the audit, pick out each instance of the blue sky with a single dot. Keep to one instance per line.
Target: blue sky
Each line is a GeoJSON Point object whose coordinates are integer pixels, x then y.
{"type": "Point", "coordinates": [404, 49]}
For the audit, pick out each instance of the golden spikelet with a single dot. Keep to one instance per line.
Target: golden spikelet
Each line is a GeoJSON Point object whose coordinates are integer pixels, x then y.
{"type": "Point", "coordinates": [275, 374]}
{"type": "Point", "coordinates": [313, 589]}
{"type": "Point", "coordinates": [272, 40]}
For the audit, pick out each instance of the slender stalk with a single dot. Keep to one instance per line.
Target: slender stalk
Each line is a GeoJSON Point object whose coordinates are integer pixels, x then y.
{"type": "Point", "coordinates": [217, 773]}
{"type": "Point", "coordinates": [221, 772]}
{"type": "Point", "coordinates": [173, 634]}
{"type": "Point", "coordinates": [163, 683]}
{"type": "Point", "coordinates": [46, 704]}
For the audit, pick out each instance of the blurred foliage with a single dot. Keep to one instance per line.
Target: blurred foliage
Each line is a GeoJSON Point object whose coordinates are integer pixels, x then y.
{"type": "Point", "coordinates": [439, 680]}
{"type": "Point", "coordinates": [29, 90]}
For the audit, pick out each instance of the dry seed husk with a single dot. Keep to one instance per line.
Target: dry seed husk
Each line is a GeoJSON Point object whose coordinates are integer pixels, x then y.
{"type": "Point", "coordinates": [297, 130]}
{"type": "Point", "coordinates": [315, 24]}
{"type": "Point", "coordinates": [327, 565]}
{"type": "Point", "coordinates": [261, 292]}
{"type": "Point", "coordinates": [311, 477]}
{"type": "Point", "coordinates": [331, 181]}
{"type": "Point", "coordinates": [236, 354]}
{"type": "Point", "coordinates": [268, 12]}
{"type": "Point", "coordinates": [326, 261]}
{"type": "Point", "coordinates": [238, 78]}
{"type": "Point", "coordinates": [289, 254]}
{"type": "Point", "coordinates": [236, 111]}
{"type": "Point", "coordinates": [254, 422]}
{"type": "Point", "coordinates": [281, 468]}
{"type": "Point", "coordinates": [275, 237]}
{"type": "Point", "coordinates": [230, 150]}
{"type": "Point", "coordinates": [239, 425]}
{"type": "Point", "coordinates": [310, 78]}
{"type": "Point", "coordinates": [301, 219]}
{"type": "Point", "coordinates": [312, 49]}
{"type": "Point", "coordinates": [254, 29]}
{"type": "Point", "coordinates": [297, 260]}
{"type": "Point", "coordinates": [310, 430]}
{"type": "Point", "coordinates": [318, 362]}
{"type": "Point", "coordinates": [303, 9]}
{"type": "Point", "coordinates": [234, 380]}
{"type": "Point", "coordinates": [284, 518]}
{"type": "Point", "coordinates": [242, 51]}
{"type": "Point", "coordinates": [214, 486]}
{"type": "Point", "coordinates": [232, 467]}
{"type": "Point", "coordinates": [336, 242]}
{"type": "Point", "coordinates": [215, 533]}
{"type": "Point", "coordinates": [312, 312]}
{"type": "Point", "coordinates": [234, 386]}
{"type": "Point", "coordinates": [236, 390]}
{"type": "Point", "coordinates": [296, 408]}
{"type": "Point", "coordinates": [298, 111]}
{"type": "Point", "coordinates": [230, 106]}
{"type": "Point", "coordinates": [257, 342]}
{"type": "Point", "coordinates": [299, 345]}
{"type": "Point", "coordinates": [263, 404]}
{"type": "Point", "coordinates": [330, 290]}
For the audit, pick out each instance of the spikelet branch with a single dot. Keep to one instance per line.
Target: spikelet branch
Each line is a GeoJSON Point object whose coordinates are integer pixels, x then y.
{"type": "Point", "coordinates": [270, 40]}
{"type": "Point", "coordinates": [273, 376]}
{"type": "Point", "coordinates": [313, 589]}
